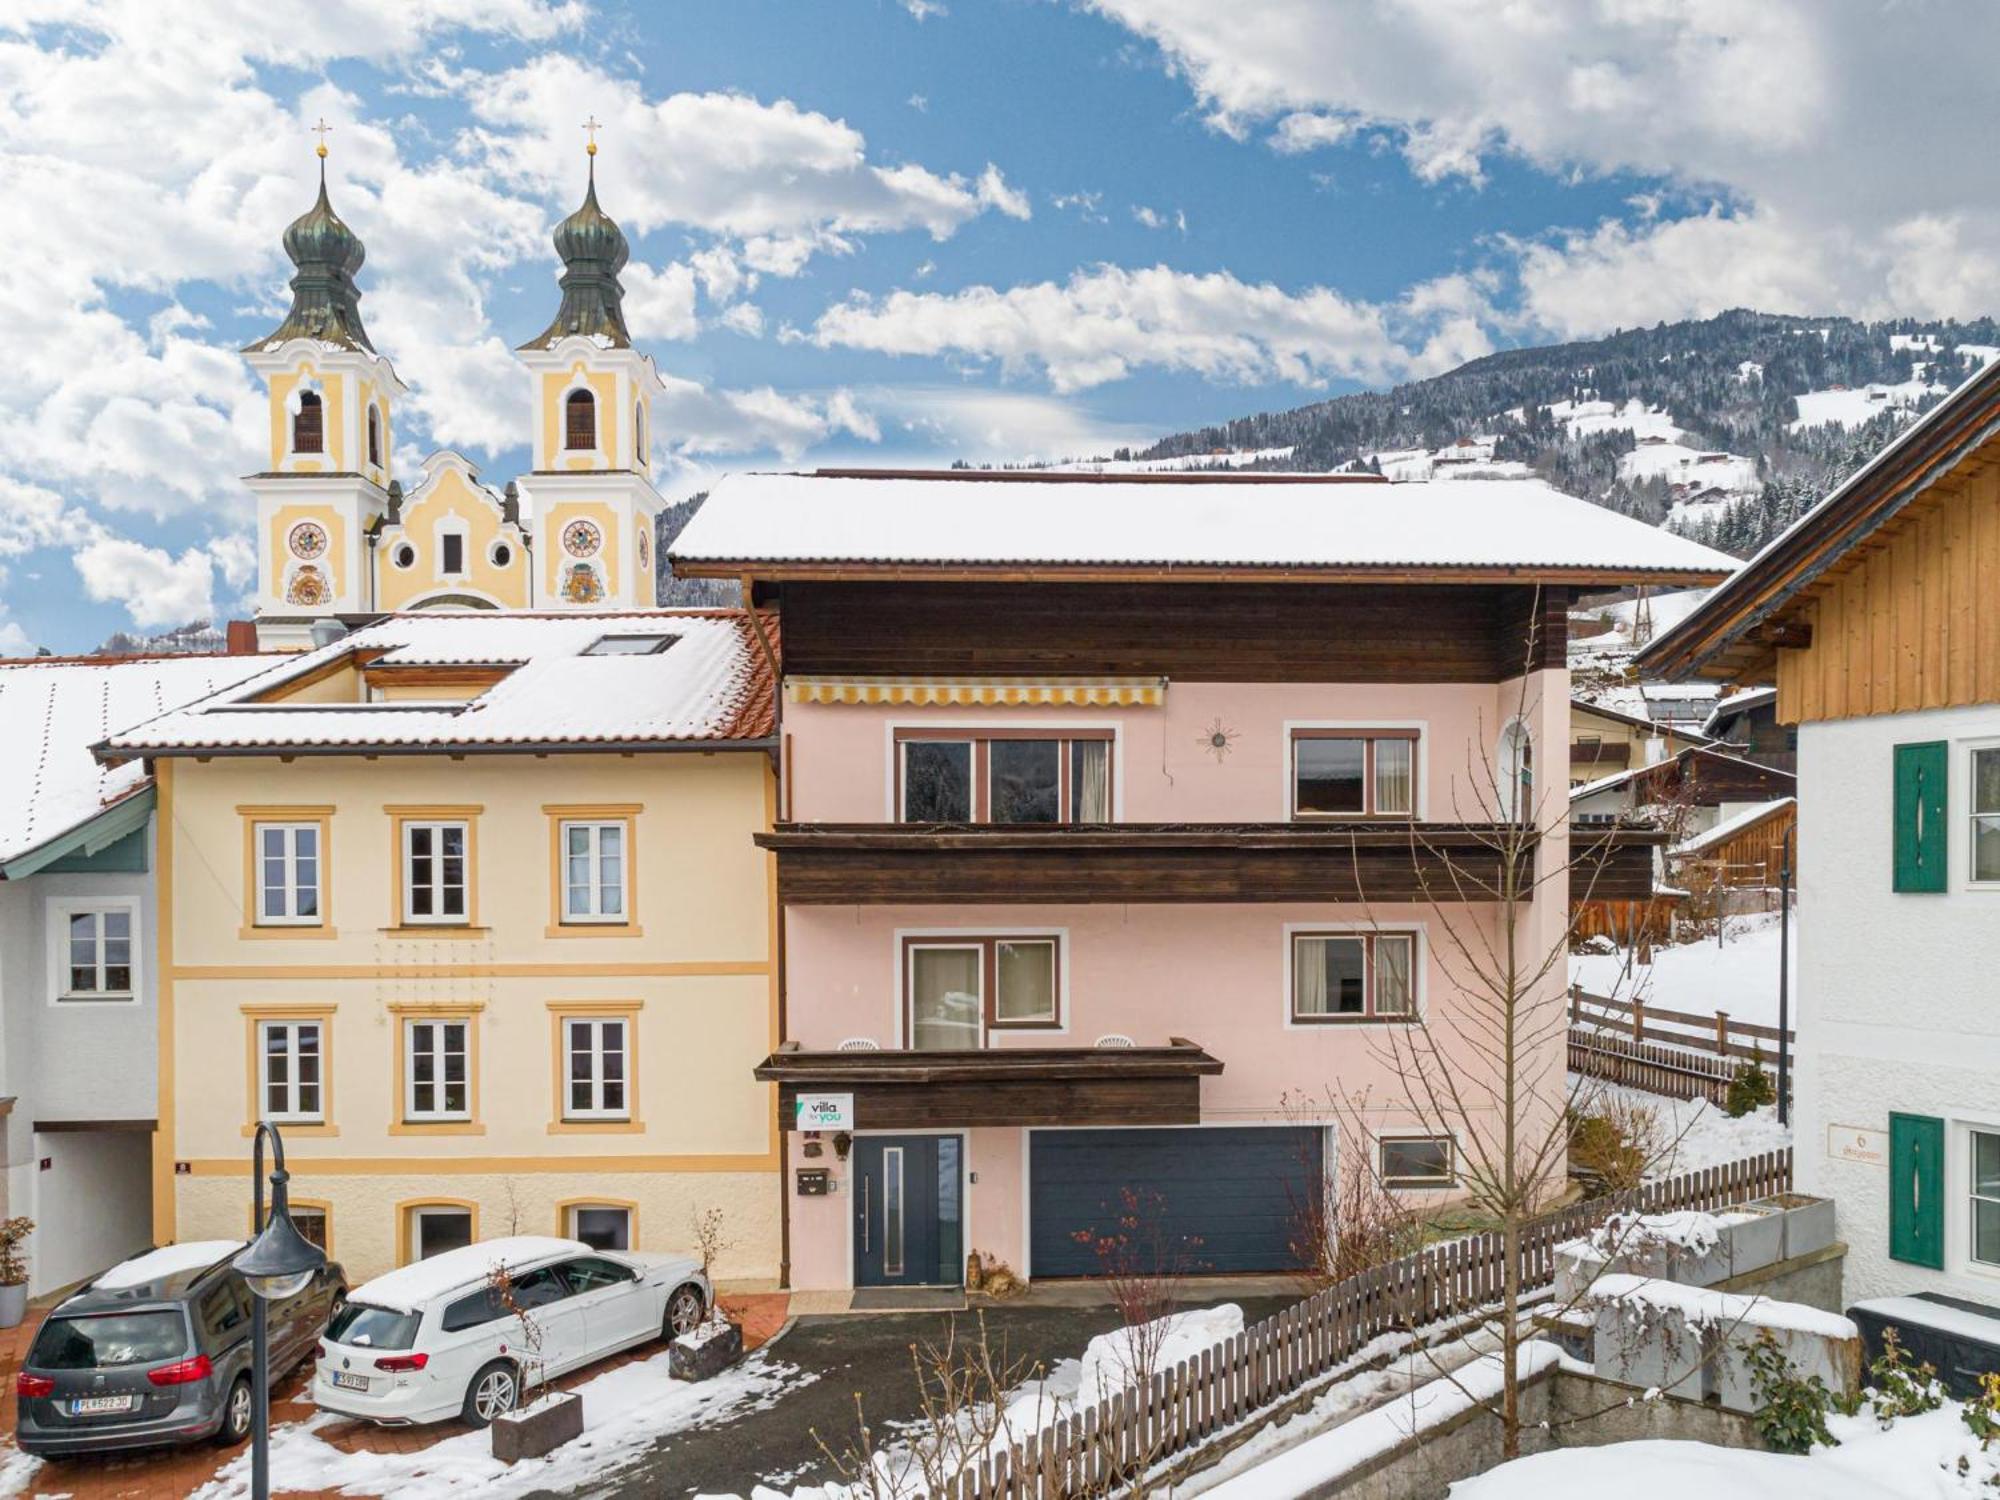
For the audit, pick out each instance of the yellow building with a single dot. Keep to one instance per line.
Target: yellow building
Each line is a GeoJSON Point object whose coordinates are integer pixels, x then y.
{"type": "Point", "coordinates": [338, 532]}
{"type": "Point", "coordinates": [469, 905]}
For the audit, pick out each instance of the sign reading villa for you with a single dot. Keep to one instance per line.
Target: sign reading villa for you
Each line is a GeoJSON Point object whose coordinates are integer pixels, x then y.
{"type": "Point", "coordinates": [826, 1112]}
{"type": "Point", "coordinates": [1853, 1143]}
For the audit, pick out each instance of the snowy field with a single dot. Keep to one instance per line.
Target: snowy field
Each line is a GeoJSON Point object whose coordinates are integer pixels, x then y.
{"type": "Point", "coordinates": [1693, 1133]}
{"type": "Point", "coordinates": [1678, 464]}
{"type": "Point", "coordinates": [1740, 977]}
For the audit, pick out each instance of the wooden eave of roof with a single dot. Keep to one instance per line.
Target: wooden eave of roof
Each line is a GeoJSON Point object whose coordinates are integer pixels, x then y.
{"type": "Point", "coordinates": [1181, 1058]}
{"type": "Point", "coordinates": [1736, 633]}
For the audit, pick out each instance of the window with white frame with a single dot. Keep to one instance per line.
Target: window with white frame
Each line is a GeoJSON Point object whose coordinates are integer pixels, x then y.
{"type": "Point", "coordinates": [288, 874]}
{"type": "Point", "coordinates": [1416, 1161]}
{"type": "Point", "coordinates": [594, 867]}
{"type": "Point", "coordinates": [597, 1056]}
{"type": "Point", "coordinates": [294, 1070]}
{"type": "Point", "coordinates": [451, 553]}
{"type": "Point", "coordinates": [1983, 1157]}
{"type": "Point", "coordinates": [437, 1070]}
{"type": "Point", "coordinates": [435, 874]}
{"type": "Point", "coordinates": [1353, 976]}
{"type": "Point", "coordinates": [995, 776]}
{"type": "Point", "coordinates": [1986, 814]}
{"type": "Point", "coordinates": [960, 989]}
{"type": "Point", "coordinates": [1353, 773]}
{"type": "Point", "coordinates": [98, 960]}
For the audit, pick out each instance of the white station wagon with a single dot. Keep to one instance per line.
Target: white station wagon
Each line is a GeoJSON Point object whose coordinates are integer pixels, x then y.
{"type": "Point", "coordinates": [432, 1340]}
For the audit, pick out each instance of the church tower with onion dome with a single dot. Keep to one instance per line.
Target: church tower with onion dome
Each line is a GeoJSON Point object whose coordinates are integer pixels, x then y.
{"type": "Point", "coordinates": [592, 482]}
{"type": "Point", "coordinates": [332, 398]}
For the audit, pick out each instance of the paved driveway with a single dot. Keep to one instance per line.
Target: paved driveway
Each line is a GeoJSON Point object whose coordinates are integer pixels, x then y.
{"type": "Point", "coordinates": [868, 1354]}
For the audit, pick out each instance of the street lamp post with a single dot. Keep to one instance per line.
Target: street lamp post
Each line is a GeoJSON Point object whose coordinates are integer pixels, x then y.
{"type": "Point", "coordinates": [277, 1265]}
{"type": "Point", "coordinates": [1785, 981]}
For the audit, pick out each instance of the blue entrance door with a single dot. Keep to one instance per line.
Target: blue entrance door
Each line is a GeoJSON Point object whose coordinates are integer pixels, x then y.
{"type": "Point", "coordinates": [907, 1211]}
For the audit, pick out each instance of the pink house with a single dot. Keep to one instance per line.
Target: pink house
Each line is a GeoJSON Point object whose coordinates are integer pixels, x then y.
{"type": "Point", "coordinates": [1117, 823]}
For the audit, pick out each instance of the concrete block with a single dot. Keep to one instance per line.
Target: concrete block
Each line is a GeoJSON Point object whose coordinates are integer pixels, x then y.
{"type": "Point", "coordinates": [1654, 1348]}
{"type": "Point", "coordinates": [1757, 1242]}
{"type": "Point", "coordinates": [1836, 1361]}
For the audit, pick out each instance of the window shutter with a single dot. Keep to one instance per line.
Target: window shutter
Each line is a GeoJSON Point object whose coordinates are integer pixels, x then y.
{"type": "Point", "coordinates": [1920, 817]}
{"type": "Point", "coordinates": [1916, 1190]}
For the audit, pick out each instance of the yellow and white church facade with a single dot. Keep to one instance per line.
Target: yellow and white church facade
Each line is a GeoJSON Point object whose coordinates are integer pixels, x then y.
{"type": "Point", "coordinates": [341, 534]}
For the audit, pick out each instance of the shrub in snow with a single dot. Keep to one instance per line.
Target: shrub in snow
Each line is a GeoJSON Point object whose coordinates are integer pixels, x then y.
{"type": "Point", "coordinates": [1981, 1414]}
{"type": "Point", "coordinates": [1791, 1409]}
{"type": "Point", "coordinates": [1749, 1090]}
{"type": "Point", "coordinates": [1898, 1389]}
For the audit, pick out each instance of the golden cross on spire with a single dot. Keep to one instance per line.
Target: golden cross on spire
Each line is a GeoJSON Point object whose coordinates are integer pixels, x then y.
{"type": "Point", "coordinates": [590, 128]}
{"type": "Point", "coordinates": [322, 130]}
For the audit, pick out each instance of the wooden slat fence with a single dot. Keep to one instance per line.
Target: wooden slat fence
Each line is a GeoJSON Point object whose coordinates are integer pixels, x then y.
{"type": "Point", "coordinates": [1675, 1053]}
{"type": "Point", "coordinates": [1184, 1406]}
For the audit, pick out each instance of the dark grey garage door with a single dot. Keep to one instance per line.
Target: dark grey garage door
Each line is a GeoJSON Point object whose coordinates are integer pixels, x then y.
{"type": "Point", "coordinates": [1237, 1189]}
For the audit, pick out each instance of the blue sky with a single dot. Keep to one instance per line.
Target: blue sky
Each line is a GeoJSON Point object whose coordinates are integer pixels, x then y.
{"type": "Point", "coordinates": [903, 230]}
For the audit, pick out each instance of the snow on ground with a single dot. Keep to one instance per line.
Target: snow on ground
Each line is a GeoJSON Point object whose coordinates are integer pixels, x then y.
{"type": "Point", "coordinates": [1851, 408]}
{"type": "Point", "coordinates": [1740, 977]}
{"type": "Point", "coordinates": [1108, 1359]}
{"type": "Point", "coordinates": [625, 1412]}
{"type": "Point", "coordinates": [1679, 464]}
{"type": "Point", "coordinates": [1917, 1458]}
{"type": "Point", "coordinates": [1692, 1133]}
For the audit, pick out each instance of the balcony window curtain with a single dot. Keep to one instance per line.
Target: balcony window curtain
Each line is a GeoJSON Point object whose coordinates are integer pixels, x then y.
{"type": "Point", "coordinates": [1090, 780]}
{"type": "Point", "coordinates": [1309, 977]}
{"type": "Point", "coordinates": [1392, 976]}
{"type": "Point", "coordinates": [945, 999]}
{"type": "Point", "coordinates": [1393, 760]}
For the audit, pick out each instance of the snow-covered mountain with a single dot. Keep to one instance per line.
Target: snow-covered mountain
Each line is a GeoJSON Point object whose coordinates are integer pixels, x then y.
{"type": "Point", "coordinates": [1725, 429]}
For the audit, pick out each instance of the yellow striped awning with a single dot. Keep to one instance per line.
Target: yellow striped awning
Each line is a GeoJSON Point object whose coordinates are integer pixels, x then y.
{"type": "Point", "coordinates": [1123, 692]}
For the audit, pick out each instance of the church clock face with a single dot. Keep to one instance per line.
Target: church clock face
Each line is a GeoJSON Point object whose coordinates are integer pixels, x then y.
{"type": "Point", "coordinates": [582, 539]}
{"type": "Point", "coordinates": [307, 540]}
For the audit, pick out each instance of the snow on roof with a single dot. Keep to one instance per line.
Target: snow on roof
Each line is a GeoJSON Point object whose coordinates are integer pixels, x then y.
{"type": "Point", "coordinates": [168, 1260]}
{"type": "Point", "coordinates": [1914, 1312]}
{"type": "Point", "coordinates": [711, 683]}
{"type": "Point", "coordinates": [54, 710]}
{"type": "Point", "coordinates": [1040, 520]}
{"type": "Point", "coordinates": [1686, 752]}
{"type": "Point", "coordinates": [1736, 703]}
{"type": "Point", "coordinates": [1704, 1305]}
{"type": "Point", "coordinates": [1728, 828]}
{"type": "Point", "coordinates": [411, 1287]}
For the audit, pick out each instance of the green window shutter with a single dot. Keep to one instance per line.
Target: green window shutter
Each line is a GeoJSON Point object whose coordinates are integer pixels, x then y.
{"type": "Point", "coordinates": [1920, 816]}
{"type": "Point", "coordinates": [1916, 1190]}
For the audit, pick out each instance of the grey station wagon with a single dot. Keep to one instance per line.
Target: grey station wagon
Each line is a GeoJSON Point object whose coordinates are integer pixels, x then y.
{"type": "Point", "coordinates": [157, 1351]}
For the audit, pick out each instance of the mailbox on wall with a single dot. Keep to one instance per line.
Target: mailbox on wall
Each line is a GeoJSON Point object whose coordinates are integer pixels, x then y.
{"type": "Point", "coordinates": [814, 1182]}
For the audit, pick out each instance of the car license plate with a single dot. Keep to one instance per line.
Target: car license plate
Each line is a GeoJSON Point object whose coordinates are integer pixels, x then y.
{"type": "Point", "coordinates": [97, 1406]}
{"type": "Point", "coordinates": [346, 1382]}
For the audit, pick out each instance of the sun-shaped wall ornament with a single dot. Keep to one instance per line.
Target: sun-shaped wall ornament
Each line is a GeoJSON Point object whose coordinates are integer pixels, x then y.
{"type": "Point", "coordinates": [1218, 740]}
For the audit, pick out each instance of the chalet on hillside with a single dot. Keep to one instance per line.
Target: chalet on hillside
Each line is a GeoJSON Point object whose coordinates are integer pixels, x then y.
{"type": "Point", "coordinates": [1603, 741]}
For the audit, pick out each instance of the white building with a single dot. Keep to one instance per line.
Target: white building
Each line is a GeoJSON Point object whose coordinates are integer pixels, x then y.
{"type": "Point", "coordinates": [1876, 617]}
{"type": "Point", "coordinates": [78, 1040]}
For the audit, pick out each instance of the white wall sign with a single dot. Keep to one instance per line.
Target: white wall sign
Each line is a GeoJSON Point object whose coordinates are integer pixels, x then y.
{"type": "Point", "coordinates": [826, 1111]}
{"type": "Point", "coordinates": [1852, 1143]}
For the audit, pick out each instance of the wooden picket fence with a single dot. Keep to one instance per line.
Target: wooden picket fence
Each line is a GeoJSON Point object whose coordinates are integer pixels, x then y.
{"type": "Point", "coordinates": [1678, 1054]}
{"type": "Point", "coordinates": [1186, 1405]}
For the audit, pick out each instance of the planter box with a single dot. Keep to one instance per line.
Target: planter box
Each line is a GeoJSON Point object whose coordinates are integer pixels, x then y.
{"type": "Point", "coordinates": [1577, 1266]}
{"type": "Point", "coordinates": [13, 1304]}
{"type": "Point", "coordinates": [1757, 1242]}
{"type": "Point", "coordinates": [538, 1429]}
{"type": "Point", "coordinates": [1809, 1222]}
{"type": "Point", "coordinates": [706, 1352]}
{"type": "Point", "coordinates": [1653, 1348]}
{"type": "Point", "coordinates": [1836, 1361]}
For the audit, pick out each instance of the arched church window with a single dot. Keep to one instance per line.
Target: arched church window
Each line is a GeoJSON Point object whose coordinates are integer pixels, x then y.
{"type": "Point", "coordinates": [638, 432]}
{"type": "Point", "coordinates": [375, 436]}
{"type": "Point", "coordinates": [309, 424]}
{"type": "Point", "coordinates": [580, 426]}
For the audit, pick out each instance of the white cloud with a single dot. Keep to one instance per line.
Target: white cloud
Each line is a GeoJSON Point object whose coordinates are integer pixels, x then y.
{"type": "Point", "coordinates": [995, 193]}
{"type": "Point", "coordinates": [1832, 194]}
{"type": "Point", "coordinates": [726, 163]}
{"type": "Point", "coordinates": [1104, 322]}
{"type": "Point", "coordinates": [745, 318]}
{"type": "Point", "coordinates": [951, 422]}
{"type": "Point", "coordinates": [1153, 218]}
{"type": "Point", "coordinates": [155, 587]}
{"type": "Point", "coordinates": [923, 10]}
{"type": "Point", "coordinates": [659, 304]}
{"type": "Point", "coordinates": [696, 420]}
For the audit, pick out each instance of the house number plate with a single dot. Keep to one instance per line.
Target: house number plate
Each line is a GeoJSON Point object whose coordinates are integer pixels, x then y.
{"type": "Point", "coordinates": [1853, 1143]}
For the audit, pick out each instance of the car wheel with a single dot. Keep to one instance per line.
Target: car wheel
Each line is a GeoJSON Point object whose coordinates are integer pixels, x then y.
{"type": "Point", "coordinates": [684, 1311]}
{"type": "Point", "coordinates": [494, 1391]}
{"type": "Point", "coordinates": [235, 1414]}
